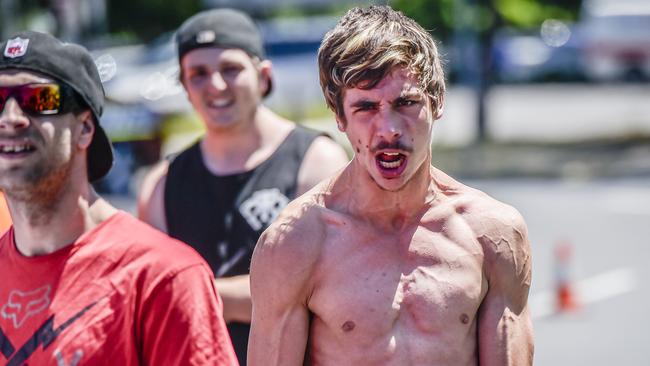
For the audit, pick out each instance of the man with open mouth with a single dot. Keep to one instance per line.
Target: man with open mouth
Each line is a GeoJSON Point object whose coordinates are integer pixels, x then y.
{"type": "Point", "coordinates": [82, 282]}
{"type": "Point", "coordinates": [391, 261]}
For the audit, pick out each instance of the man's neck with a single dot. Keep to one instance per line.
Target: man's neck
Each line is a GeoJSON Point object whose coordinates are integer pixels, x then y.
{"type": "Point", "coordinates": [44, 227]}
{"type": "Point", "coordinates": [389, 210]}
{"type": "Point", "coordinates": [242, 149]}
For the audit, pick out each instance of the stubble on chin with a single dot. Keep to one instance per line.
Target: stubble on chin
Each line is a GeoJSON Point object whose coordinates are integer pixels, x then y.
{"type": "Point", "coordinates": [40, 185]}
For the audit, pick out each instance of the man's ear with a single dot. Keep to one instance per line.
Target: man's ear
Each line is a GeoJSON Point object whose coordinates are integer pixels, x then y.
{"type": "Point", "coordinates": [265, 68]}
{"type": "Point", "coordinates": [180, 80]}
{"type": "Point", "coordinates": [439, 103]}
{"type": "Point", "coordinates": [87, 129]}
{"type": "Point", "coordinates": [341, 123]}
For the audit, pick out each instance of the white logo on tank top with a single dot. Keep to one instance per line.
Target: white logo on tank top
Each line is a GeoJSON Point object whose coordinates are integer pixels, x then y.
{"type": "Point", "coordinates": [263, 207]}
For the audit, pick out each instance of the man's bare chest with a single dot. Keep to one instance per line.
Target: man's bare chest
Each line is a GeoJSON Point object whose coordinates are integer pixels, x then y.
{"type": "Point", "coordinates": [422, 280]}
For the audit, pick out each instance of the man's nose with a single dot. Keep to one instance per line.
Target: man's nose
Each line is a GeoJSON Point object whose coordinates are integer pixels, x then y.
{"type": "Point", "coordinates": [12, 117]}
{"type": "Point", "coordinates": [389, 127]}
{"type": "Point", "coordinates": [218, 82]}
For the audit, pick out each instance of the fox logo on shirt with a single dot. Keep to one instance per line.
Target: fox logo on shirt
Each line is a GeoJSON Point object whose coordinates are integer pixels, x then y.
{"type": "Point", "coordinates": [22, 305]}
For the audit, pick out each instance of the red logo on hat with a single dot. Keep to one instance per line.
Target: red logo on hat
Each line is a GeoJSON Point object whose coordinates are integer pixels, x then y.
{"type": "Point", "coordinates": [16, 47]}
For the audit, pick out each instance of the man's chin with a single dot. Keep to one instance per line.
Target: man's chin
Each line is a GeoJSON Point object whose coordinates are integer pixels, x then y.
{"type": "Point", "coordinates": [396, 184]}
{"type": "Point", "coordinates": [220, 124]}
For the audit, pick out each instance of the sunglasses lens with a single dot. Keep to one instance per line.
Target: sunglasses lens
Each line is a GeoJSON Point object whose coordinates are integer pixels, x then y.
{"type": "Point", "coordinates": [41, 98]}
{"type": "Point", "coordinates": [4, 95]}
{"type": "Point", "coordinates": [34, 98]}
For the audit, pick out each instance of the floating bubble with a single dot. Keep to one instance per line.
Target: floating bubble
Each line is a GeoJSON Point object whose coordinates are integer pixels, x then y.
{"type": "Point", "coordinates": [106, 66]}
{"type": "Point", "coordinates": [555, 33]}
{"type": "Point", "coordinates": [161, 84]}
{"type": "Point", "coordinates": [154, 86]}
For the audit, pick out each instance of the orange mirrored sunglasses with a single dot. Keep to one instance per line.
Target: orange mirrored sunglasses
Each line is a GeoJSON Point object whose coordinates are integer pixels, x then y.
{"type": "Point", "coordinates": [37, 98]}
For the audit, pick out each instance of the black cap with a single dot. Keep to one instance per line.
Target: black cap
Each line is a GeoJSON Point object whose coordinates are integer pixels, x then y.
{"type": "Point", "coordinates": [70, 64]}
{"type": "Point", "coordinates": [223, 28]}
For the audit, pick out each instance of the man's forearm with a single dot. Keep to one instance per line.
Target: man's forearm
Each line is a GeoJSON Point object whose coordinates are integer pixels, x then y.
{"type": "Point", "coordinates": [236, 295]}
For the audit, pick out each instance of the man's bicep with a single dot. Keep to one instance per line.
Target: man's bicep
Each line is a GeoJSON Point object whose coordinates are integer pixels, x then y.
{"type": "Point", "coordinates": [505, 328]}
{"type": "Point", "coordinates": [505, 336]}
{"type": "Point", "coordinates": [278, 335]}
{"type": "Point", "coordinates": [280, 320]}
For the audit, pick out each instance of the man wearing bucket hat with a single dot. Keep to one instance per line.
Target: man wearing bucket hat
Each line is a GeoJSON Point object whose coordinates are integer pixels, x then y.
{"type": "Point", "coordinates": [84, 283]}
{"type": "Point", "coordinates": [221, 193]}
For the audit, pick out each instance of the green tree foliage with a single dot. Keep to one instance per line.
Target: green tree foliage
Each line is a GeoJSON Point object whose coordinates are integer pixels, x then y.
{"type": "Point", "coordinates": [531, 13]}
{"type": "Point", "coordinates": [437, 16]}
{"type": "Point", "coordinates": [441, 17]}
{"type": "Point", "coordinates": [148, 19]}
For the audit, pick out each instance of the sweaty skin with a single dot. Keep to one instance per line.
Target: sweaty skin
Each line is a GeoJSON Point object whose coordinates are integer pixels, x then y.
{"type": "Point", "coordinates": [370, 268]}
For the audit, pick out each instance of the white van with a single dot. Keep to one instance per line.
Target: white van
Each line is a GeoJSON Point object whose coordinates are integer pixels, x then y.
{"type": "Point", "coordinates": [616, 40]}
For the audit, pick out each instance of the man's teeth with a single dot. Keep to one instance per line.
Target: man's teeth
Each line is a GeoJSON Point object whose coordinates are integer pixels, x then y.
{"type": "Point", "coordinates": [220, 103]}
{"type": "Point", "coordinates": [14, 148]}
{"type": "Point", "coordinates": [391, 164]}
{"type": "Point", "coordinates": [391, 153]}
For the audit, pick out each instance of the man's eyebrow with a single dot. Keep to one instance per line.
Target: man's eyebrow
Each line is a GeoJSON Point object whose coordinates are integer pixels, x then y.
{"type": "Point", "coordinates": [197, 67]}
{"type": "Point", "coordinates": [410, 94]}
{"type": "Point", "coordinates": [363, 103]}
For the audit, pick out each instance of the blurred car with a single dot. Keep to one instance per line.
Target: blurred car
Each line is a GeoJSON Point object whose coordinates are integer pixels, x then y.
{"type": "Point", "coordinates": [616, 37]}
{"type": "Point", "coordinates": [527, 57]}
{"type": "Point", "coordinates": [142, 89]}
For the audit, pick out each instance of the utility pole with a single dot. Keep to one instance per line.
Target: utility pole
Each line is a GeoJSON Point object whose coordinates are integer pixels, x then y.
{"type": "Point", "coordinates": [473, 46]}
{"type": "Point", "coordinates": [485, 78]}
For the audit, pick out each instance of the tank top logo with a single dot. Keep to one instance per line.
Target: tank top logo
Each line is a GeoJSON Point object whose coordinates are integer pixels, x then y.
{"type": "Point", "coordinates": [261, 208]}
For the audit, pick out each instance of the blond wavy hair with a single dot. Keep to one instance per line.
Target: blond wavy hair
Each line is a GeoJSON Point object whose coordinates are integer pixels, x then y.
{"type": "Point", "coordinates": [367, 44]}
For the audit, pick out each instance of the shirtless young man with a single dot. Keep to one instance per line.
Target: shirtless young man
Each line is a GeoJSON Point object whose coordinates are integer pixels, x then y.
{"type": "Point", "coordinates": [390, 262]}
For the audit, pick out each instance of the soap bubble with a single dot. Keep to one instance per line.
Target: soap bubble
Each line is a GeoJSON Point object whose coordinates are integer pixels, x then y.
{"type": "Point", "coordinates": [555, 33]}
{"type": "Point", "coordinates": [106, 66]}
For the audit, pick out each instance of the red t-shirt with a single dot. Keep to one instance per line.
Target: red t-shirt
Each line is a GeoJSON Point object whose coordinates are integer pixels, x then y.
{"type": "Point", "coordinates": [122, 294]}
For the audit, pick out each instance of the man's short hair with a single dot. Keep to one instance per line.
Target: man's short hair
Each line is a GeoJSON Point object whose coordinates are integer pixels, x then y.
{"type": "Point", "coordinates": [367, 44]}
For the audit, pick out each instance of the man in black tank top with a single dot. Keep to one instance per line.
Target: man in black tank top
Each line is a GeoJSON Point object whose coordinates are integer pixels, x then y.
{"type": "Point", "coordinates": [220, 194]}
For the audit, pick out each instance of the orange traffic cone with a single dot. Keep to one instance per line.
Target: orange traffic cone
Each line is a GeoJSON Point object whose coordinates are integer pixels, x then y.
{"type": "Point", "coordinates": [566, 299]}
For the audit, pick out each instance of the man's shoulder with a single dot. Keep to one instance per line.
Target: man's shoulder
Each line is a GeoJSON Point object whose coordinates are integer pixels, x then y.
{"type": "Point", "coordinates": [191, 152]}
{"type": "Point", "coordinates": [150, 201]}
{"type": "Point", "coordinates": [322, 159]}
{"type": "Point", "coordinates": [499, 228]}
{"type": "Point", "coordinates": [299, 231]}
{"type": "Point", "coordinates": [288, 251]}
{"type": "Point", "coordinates": [154, 176]}
{"type": "Point", "coordinates": [129, 240]}
{"type": "Point", "coordinates": [302, 216]}
{"type": "Point", "coordinates": [480, 206]}
{"type": "Point", "coordinates": [481, 211]}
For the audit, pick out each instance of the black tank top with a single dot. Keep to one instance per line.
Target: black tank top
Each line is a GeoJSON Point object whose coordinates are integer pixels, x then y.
{"type": "Point", "coordinates": [223, 216]}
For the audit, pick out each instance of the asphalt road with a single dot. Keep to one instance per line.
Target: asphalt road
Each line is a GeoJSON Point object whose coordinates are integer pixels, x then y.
{"type": "Point", "coordinates": [607, 223]}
